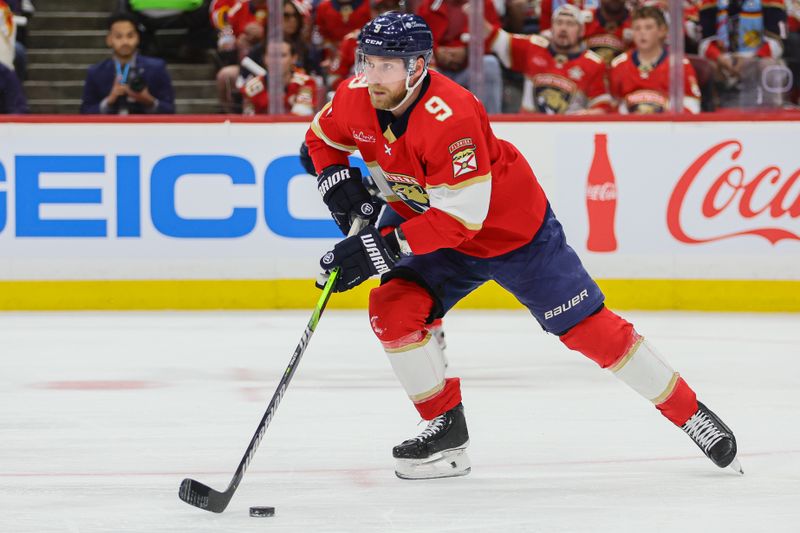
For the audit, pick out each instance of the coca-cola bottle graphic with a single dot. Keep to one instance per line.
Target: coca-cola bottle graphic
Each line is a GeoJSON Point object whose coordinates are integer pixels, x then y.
{"type": "Point", "coordinates": [601, 199]}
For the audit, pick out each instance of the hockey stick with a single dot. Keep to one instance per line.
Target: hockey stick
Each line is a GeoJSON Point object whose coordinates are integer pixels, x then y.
{"type": "Point", "coordinates": [202, 496]}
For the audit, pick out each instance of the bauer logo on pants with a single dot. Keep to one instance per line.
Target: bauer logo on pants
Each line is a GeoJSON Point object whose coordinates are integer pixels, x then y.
{"type": "Point", "coordinates": [563, 308]}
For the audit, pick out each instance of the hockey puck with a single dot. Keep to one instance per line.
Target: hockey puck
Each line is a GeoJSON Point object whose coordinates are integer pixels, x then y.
{"type": "Point", "coordinates": [262, 511]}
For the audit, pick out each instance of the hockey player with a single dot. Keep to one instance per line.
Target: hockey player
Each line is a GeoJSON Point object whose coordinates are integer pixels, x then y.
{"type": "Point", "coordinates": [473, 212]}
{"type": "Point", "coordinates": [640, 79]}
{"type": "Point", "coordinates": [561, 76]}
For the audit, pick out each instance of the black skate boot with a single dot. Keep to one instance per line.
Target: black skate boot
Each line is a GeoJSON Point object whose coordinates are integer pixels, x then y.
{"type": "Point", "coordinates": [439, 451]}
{"type": "Point", "coordinates": [713, 437]}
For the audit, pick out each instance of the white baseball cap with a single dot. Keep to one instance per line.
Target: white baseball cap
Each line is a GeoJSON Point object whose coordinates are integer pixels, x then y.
{"type": "Point", "coordinates": [570, 10]}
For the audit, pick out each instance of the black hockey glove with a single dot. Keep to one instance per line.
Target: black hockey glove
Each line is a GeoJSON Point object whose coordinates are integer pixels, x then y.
{"type": "Point", "coordinates": [305, 160]}
{"type": "Point", "coordinates": [360, 257]}
{"type": "Point", "coordinates": [346, 196]}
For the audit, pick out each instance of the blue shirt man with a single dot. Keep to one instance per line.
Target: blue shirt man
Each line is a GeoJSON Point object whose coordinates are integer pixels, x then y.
{"type": "Point", "coordinates": [12, 99]}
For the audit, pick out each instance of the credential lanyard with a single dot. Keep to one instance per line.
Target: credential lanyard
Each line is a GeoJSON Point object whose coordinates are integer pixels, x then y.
{"type": "Point", "coordinates": [122, 73]}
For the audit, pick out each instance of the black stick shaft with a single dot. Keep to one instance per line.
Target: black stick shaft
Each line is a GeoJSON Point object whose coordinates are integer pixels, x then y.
{"type": "Point", "coordinates": [204, 497]}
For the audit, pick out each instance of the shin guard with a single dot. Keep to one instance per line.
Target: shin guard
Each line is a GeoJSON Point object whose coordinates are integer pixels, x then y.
{"type": "Point", "coordinates": [398, 314]}
{"type": "Point", "coordinates": [612, 343]}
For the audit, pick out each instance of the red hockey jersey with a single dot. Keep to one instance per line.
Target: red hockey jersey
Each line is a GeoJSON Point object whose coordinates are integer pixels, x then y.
{"type": "Point", "coordinates": [237, 14]}
{"type": "Point", "coordinates": [607, 38]}
{"type": "Point", "coordinates": [439, 166]}
{"type": "Point", "coordinates": [554, 83]}
{"type": "Point", "coordinates": [299, 98]}
{"type": "Point", "coordinates": [336, 20]}
{"type": "Point", "coordinates": [641, 89]}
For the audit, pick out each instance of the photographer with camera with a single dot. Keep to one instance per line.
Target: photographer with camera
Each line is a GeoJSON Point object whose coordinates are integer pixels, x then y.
{"type": "Point", "coordinates": [127, 82]}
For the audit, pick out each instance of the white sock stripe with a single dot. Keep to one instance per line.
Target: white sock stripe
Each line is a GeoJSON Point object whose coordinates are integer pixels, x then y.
{"type": "Point", "coordinates": [419, 368]}
{"type": "Point", "coordinates": [646, 373]}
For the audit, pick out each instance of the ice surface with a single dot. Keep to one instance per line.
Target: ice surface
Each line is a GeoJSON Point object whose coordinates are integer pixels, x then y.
{"type": "Point", "coordinates": [103, 414]}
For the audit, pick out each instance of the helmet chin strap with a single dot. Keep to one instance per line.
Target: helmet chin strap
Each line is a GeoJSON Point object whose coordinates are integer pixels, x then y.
{"type": "Point", "coordinates": [410, 90]}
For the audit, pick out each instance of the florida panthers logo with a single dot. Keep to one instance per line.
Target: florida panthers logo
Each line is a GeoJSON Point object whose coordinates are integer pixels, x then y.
{"type": "Point", "coordinates": [408, 191]}
{"type": "Point", "coordinates": [645, 102]}
{"type": "Point", "coordinates": [464, 158]}
{"type": "Point", "coordinates": [551, 101]}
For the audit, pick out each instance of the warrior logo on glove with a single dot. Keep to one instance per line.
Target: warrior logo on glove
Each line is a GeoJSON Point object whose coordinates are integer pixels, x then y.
{"type": "Point", "coordinates": [345, 194]}
{"type": "Point", "coordinates": [374, 254]}
{"type": "Point", "coordinates": [360, 257]}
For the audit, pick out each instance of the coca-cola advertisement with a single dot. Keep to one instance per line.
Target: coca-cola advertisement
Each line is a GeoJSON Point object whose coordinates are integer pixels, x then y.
{"type": "Point", "coordinates": [677, 200]}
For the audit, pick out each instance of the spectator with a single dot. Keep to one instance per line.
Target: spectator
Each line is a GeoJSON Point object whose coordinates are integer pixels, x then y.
{"type": "Point", "coordinates": [561, 77]}
{"type": "Point", "coordinates": [23, 11]}
{"type": "Point", "coordinates": [744, 41]}
{"type": "Point", "coordinates": [548, 10]}
{"type": "Point", "coordinates": [127, 82]}
{"type": "Point", "coordinates": [12, 99]}
{"type": "Point", "coordinates": [608, 32]}
{"type": "Point", "coordinates": [8, 35]}
{"type": "Point", "coordinates": [640, 78]}
{"type": "Point", "coordinates": [449, 23]}
{"type": "Point", "coordinates": [297, 30]}
{"type": "Point", "coordinates": [792, 46]}
{"type": "Point", "coordinates": [514, 14]}
{"type": "Point", "coordinates": [336, 18]}
{"type": "Point", "coordinates": [300, 90]}
{"type": "Point", "coordinates": [345, 58]}
{"type": "Point", "coordinates": [242, 24]}
{"type": "Point", "coordinates": [155, 15]}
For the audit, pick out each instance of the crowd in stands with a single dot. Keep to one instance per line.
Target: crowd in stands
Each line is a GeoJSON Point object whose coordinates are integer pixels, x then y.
{"type": "Point", "coordinates": [541, 56]}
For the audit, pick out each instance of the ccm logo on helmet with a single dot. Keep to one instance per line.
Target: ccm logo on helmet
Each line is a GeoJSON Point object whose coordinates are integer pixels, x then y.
{"type": "Point", "coordinates": [373, 41]}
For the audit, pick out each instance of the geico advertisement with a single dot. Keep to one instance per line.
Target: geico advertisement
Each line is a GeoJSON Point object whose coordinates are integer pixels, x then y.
{"type": "Point", "coordinates": [231, 201]}
{"type": "Point", "coordinates": [167, 201]}
{"type": "Point", "coordinates": [682, 200]}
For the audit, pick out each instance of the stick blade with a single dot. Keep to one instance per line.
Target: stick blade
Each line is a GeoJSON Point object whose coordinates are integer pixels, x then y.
{"type": "Point", "coordinates": [202, 496]}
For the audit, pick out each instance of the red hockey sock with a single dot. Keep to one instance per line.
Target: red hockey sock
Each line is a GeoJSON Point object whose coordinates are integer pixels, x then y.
{"type": "Point", "coordinates": [449, 397]}
{"type": "Point", "coordinates": [681, 404]}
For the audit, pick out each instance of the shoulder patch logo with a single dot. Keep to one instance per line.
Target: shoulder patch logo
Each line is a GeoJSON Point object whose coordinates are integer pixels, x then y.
{"type": "Point", "coordinates": [463, 154]}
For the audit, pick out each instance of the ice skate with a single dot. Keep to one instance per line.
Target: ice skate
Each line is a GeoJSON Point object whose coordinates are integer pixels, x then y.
{"type": "Point", "coordinates": [439, 451]}
{"type": "Point", "coordinates": [713, 437]}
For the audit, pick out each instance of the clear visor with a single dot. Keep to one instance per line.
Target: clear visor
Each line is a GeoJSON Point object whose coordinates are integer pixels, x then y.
{"type": "Point", "coordinates": [380, 69]}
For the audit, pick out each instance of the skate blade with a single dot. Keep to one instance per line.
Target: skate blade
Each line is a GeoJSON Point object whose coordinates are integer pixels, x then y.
{"type": "Point", "coordinates": [736, 466]}
{"type": "Point", "coordinates": [452, 463]}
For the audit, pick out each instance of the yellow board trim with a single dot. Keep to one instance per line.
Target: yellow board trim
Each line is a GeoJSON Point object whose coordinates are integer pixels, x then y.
{"type": "Point", "coordinates": [645, 294]}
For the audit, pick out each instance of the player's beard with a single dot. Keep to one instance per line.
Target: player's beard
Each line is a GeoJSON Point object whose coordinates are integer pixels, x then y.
{"type": "Point", "coordinates": [389, 99]}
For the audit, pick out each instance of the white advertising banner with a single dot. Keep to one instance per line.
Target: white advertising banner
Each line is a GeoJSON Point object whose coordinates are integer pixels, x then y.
{"type": "Point", "coordinates": [702, 200]}
{"type": "Point", "coordinates": [677, 200]}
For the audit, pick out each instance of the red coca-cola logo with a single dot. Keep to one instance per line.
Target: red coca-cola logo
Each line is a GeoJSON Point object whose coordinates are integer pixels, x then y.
{"type": "Point", "coordinates": [602, 192]}
{"type": "Point", "coordinates": [732, 189]}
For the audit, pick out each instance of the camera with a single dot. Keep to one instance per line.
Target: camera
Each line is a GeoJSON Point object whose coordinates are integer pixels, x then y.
{"type": "Point", "coordinates": [136, 81]}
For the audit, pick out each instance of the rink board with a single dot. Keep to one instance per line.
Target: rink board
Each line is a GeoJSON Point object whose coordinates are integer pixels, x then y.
{"type": "Point", "coordinates": [215, 214]}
